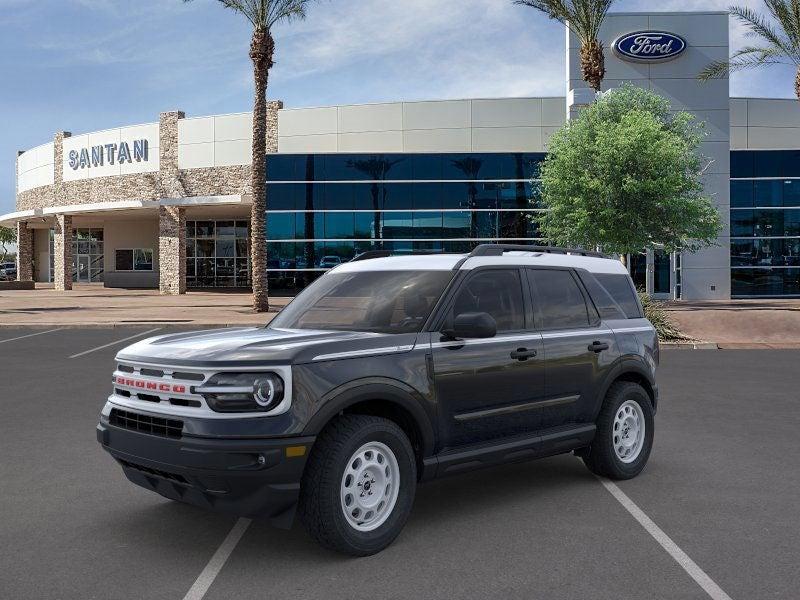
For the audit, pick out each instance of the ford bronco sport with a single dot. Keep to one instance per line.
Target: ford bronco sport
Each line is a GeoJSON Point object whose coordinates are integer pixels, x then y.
{"type": "Point", "coordinates": [385, 372]}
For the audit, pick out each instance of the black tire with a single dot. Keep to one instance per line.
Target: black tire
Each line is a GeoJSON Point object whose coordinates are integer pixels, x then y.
{"type": "Point", "coordinates": [600, 457]}
{"type": "Point", "coordinates": [320, 505]}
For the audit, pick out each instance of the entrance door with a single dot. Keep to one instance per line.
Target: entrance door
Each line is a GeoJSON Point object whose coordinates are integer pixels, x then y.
{"type": "Point", "coordinates": [662, 270]}
{"type": "Point", "coordinates": [83, 268]}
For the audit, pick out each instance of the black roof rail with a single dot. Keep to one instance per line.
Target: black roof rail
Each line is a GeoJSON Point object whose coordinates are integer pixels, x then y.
{"type": "Point", "coordinates": [499, 249]}
{"type": "Point", "coordinates": [384, 253]}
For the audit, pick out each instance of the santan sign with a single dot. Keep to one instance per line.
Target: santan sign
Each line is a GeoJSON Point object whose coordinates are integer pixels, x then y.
{"type": "Point", "coordinates": [649, 46]}
{"type": "Point", "coordinates": [97, 156]}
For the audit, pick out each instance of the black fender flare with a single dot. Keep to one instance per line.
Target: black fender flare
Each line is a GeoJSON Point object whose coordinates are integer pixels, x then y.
{"type": "Point", "coordinates": [623, 366]}
{"type": "Point", "coordinates": [375, 388]}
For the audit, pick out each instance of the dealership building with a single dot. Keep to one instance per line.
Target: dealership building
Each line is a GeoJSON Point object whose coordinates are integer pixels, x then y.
{"type": "Point", "coordinates": [167, 204]}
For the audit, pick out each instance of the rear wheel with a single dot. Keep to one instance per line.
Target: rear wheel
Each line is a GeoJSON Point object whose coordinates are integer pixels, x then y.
{"type": "Point", "coordinates": [624, 436]}
{"type": "Point", "coordinates": [359, 485]}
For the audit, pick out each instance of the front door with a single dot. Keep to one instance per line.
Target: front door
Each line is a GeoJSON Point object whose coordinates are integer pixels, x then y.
{"type": "Point", "coordinates": [578, 349]}
{"type": "Point", "coordinates": [83, 268]}
{"type": "Point", "coordinates": [488, 388]}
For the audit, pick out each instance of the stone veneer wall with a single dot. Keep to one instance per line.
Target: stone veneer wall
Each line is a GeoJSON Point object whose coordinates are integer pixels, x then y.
{"type": "Point", "coordinates": [24, 252]}
{"type": "Point", "coordinates": [62, 250]}
{"type": "Point", "coordinates": [171, 250]}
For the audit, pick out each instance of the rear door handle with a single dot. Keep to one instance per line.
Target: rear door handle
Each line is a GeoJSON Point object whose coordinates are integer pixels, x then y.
{"type": "Point", "coordinates": [598, 346]}
{"type": "Point", "coordinates": [523, 354]}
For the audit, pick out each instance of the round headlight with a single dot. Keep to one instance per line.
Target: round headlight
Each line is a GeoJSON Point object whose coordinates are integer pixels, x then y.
{"type": "Point", "coordinates": [264, 392]}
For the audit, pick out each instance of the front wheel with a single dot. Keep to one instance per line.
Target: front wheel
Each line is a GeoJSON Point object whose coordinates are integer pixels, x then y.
{"type": "Point", "coordinates": [359, 485]}
{"type": "Point", "coordinates": [624, 435]}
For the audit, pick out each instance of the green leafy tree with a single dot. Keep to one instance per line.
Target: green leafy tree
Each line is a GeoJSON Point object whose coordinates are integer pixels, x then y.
{"type": "Point", "coordinates": [584, 19]}
{"type": "Point", "coordinates": [8, 236]}
{"type": "Point", "coordinates": [778, 40]}
{"type": "Point", "coordinates": [625, 176]}
{"type": "Point", "coordinates": [263, 15]}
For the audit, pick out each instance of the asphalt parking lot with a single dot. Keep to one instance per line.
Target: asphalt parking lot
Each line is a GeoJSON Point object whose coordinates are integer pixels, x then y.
{"type": "Point", "coordinates": [722, 484]}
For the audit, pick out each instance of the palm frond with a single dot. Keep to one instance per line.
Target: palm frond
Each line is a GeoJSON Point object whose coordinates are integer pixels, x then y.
{"type": "Point", "coordinates": [583, 17]}
{"type": "Point", "coordinates": [759, 26]}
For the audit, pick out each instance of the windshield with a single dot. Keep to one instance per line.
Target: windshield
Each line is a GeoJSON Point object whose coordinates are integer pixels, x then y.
{"type": "Point", "coordinates": [375, 301]}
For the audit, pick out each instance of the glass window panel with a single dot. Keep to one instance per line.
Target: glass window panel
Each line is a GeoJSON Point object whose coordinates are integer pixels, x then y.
{"type": "Point", "coordinates": [123, 260]}
{"type": "Point", "coordinates": [513, 224]}
{"type": "Point", "coordinates": [790, 163]}
{"type": "Point", "coordinates": [242, 229]}
{"type": "Point", "coordinates": [342, 250]}
{"type": "Point", "coordinates": [225, 267]}
{"type": "Point", "coordinates": [189, 229]}
{"type": "Point", "coordinates": [339, 225]}
{"type": "Point", "coordinates": [226, 228]}
{"type": "Point", "coordinates": [526, 166]}
{"type": "Point", "coordinates": [143, 259]}
{"type": "Point", "coordinates": [365, 225]}
{"type": "Point", "coordinates": [427, 225]}
{"type": "Point", "coordinates": [226, 248]}
{"type": "Point", "coordinates": [791, 192]}
{"type": "Point", "coordinates": [742, 194]}
{"type": "Point", "coordinates": [768, 163]}
{"type": "Point", "coordinates": [457, 224]}
{"type": "Point", "coordinates": [560, 303]}
{"type": "Point", "coordinates": [280, 226]}
{"type": "Point", "coordinates": [366, 196]}
{"type": "Point", "coordinates": [205, 247]}
{"type": "Point", "coordinates": [426, 166]}
{"type": "Point", "coordinates": [242, 248]}
{"type": "Point", "coordinates": [311, 196]}
{"type": "Point", "coordinates": [397, 196]}
{"type": "Point", "coordinates": [281, 255]}
{"type": "Point", "coordinates": [742, 222]}
{"type": "Point", "coordinates": [204, 229]}
{"type": "Point", "coordinates": [497, 292]}
{"type": "Point", "coordinates": [768, 222]}
{"type": "Point", "coordinates": [768, 193]}
{"type": "Point", "coordinates": [281, 167]}
{"type": "Point", "coordinates": [455, 195]}
{"type": "Point", "coordinates": [397, 225]}
{"type": "Point", "coordinates": [742, 164]}
{"type": "Point", "coordinates": [374, 167]}
{"type": "Point", "coordinates": [791, 222]}
{"type": "Point", "coordinates": [190, 262]}
{"type": "Point", "coordinates": [463, 166]}
{"type": "Point", "coordinates": [282, 196]}
{"type": "Point", "coordinates": [83, 247]}
{"type": "Point", "coordinates": [242, 271]}
{"type": "Point", "coordinates": [339, 196]}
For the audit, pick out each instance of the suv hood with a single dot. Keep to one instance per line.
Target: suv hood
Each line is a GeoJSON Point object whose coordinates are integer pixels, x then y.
{"type": "Point", "coordinates": [251, 346]}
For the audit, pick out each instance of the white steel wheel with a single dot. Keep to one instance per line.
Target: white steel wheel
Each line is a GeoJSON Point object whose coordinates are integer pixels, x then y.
{"type": "Point", "coordinates": [629, 431]}
{"type": "Point", "coordinates": [370, 485]}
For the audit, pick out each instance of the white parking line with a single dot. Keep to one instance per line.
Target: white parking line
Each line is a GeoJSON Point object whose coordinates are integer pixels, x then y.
{"type": "Point", "coordinates": [214, 566]}
{"type": "Point", "coordinates": [114, 343]}
{"type": "Point", "coordinates": [22, 337]}
{"type": "Point", "coordinates": [688, 565]}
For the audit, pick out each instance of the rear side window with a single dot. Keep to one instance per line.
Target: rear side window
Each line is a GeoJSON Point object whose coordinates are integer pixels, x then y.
{"type": "Point", "coordinates": [620, 288]}
{"type": "Point", "coordinates": [606, 305]}
{"type": "Point", "coordinates": [558, 299]}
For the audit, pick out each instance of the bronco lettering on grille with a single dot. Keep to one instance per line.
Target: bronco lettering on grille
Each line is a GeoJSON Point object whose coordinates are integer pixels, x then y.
{"type": "Point", "coordinates": [149, 385]}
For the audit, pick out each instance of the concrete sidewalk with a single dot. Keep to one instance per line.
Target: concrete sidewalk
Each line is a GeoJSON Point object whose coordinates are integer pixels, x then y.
{"type": "Point", "coordinates": [740, 323]}
{"type": "Point", "coordinates": [94, 305]}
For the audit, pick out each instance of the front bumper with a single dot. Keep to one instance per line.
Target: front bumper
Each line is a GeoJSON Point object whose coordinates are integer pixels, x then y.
{"type": "Point", "coordinates": [256, 478]}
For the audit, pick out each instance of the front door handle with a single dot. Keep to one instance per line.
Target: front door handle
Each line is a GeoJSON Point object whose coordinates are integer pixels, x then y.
{"type": "Point", "coordinates": [523, 354]}
{"type": "Point", "coordinates": [598, 346]}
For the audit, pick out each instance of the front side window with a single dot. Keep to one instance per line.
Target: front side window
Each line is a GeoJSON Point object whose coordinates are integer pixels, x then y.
{"type": "Point", "coordinates": [497, 292]}
{"type": "Point", "coordinates": [374, 301]}
{"type": "Point", "coordinates": [559, 300]}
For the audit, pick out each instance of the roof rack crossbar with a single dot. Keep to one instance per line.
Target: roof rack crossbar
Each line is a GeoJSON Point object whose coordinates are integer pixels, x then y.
{"type": "Point", "coordinates": [499, 249]}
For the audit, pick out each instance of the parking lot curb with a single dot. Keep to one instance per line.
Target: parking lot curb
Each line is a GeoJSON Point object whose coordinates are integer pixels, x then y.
{"type": "Point", "coordinates": [690, 345]}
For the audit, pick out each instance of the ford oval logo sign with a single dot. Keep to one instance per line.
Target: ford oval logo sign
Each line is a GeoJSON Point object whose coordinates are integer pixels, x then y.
{"type": "Point", "coordinates": [649, 46]}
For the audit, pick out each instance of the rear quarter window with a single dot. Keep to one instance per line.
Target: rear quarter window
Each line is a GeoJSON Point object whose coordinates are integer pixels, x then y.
{"type": "Point", "coordinates": [620, 288]}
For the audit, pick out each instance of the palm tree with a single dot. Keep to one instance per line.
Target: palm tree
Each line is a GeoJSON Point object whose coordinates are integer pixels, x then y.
{"type": "Point", "coordinates": [780, 41]}
{"type": "Point", "coordinates": [262, 15]}
{"type": "Point", "coordinates": [584, 19]}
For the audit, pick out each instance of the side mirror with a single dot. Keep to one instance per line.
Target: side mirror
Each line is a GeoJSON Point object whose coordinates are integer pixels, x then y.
{"type": "Point", "coordinates": [473, 325]}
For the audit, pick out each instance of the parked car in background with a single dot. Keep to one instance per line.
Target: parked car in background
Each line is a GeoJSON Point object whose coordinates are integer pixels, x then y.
{"type": "Point", "coordinates": [8, 271]}
{"type": "Point", "coordinates": [328, 262]}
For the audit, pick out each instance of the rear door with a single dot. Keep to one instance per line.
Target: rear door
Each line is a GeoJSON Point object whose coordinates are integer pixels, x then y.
{"type": "Point", "coordinates": [487, 388]}
{"type": "Point", "coordinates": [579, 350]}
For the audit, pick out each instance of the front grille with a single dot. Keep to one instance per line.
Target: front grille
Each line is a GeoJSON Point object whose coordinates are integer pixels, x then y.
{"type": "Point", "coordinates": [170, 428]}
{"type": "Point", "coordinates": [157, 472]}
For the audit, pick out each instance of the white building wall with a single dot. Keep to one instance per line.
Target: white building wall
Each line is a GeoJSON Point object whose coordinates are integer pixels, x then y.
{"type": "Point", "coordinates": [765, 124]}
{"type": "Point", "coordinates": [87, 141]}
{"type": "Point", "coordinates": [35, 167]}
{"type": "Point", "coordinates": [706, 274]}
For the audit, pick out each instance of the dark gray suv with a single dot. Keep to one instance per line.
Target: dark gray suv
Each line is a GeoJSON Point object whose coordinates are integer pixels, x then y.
{"type": "Point", "coordinates": [385, 372]}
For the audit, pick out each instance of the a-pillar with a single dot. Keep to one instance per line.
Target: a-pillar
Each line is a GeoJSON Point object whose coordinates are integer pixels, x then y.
{"type": "Point", "coordinates": [62, 253]}
{"type": "Point", "coordinates": [171, 250]}
{"type": "Point", "coordinates": [24, 252]}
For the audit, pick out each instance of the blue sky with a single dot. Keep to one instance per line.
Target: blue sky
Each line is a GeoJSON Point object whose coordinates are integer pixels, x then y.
{"type": "Point", "coordinates": [84, 65]}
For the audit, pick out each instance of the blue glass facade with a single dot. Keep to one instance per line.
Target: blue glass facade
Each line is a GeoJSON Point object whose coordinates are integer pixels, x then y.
{"type": "Point", "coordinates": [325, 208]}
{"type": "Point", "coordinates": [765, 223]}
